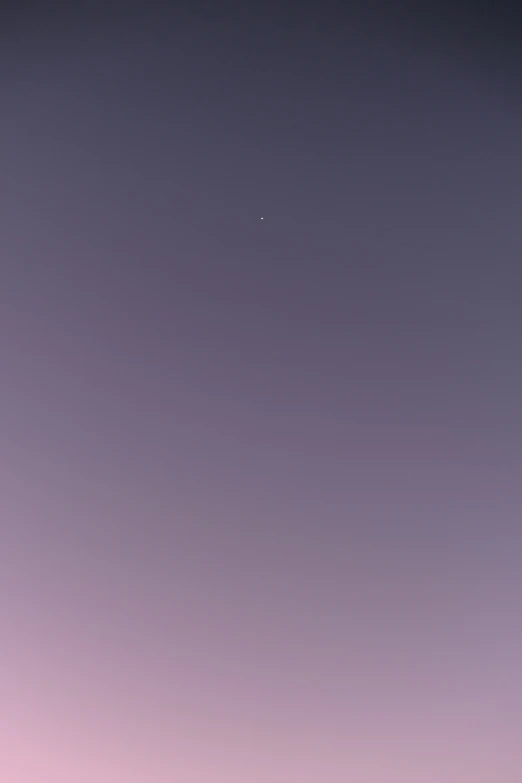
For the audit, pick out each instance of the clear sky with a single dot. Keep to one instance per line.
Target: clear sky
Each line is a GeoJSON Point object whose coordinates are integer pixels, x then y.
{"type": "Point", "coordinates": [260, 479]}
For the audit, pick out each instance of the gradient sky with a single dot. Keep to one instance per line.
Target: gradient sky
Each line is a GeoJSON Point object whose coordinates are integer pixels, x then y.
{"type": "Point", "coordinates": [260, 479]}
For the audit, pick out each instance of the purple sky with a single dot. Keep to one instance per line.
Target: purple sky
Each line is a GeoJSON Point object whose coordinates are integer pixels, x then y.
{"type": "Point", "coordinates": [260, 479]}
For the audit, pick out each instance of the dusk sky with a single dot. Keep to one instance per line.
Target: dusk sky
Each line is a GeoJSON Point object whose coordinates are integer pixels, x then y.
{"type": "Point", "coordinates": [261, 422]}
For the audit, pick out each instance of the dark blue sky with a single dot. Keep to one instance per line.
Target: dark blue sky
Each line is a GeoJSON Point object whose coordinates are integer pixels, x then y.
{"type": "Point", "coordinates": [261, 478]}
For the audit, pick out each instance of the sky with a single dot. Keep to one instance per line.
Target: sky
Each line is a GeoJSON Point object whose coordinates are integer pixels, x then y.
{"type": "Point", "coordinates": [261, 434]}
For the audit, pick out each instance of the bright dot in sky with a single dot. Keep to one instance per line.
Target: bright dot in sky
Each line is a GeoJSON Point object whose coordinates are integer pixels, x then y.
{"type": "Point", "coordinates": [262, 218]}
